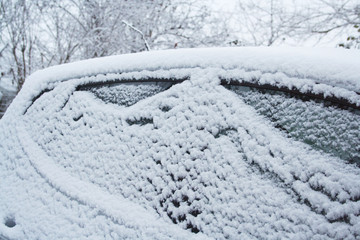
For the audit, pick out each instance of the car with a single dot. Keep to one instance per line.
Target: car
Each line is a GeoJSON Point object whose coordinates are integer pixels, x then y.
{"type": "Point", "coordinates": [209, 143]}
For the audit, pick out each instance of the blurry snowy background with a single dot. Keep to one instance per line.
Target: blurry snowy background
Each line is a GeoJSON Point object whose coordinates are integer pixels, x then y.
{"type": "Point", "coordinates": [35, 34]}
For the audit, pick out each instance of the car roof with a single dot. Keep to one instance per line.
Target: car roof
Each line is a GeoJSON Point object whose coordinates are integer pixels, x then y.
{"type": "Point", "coordinates": [327, 71]}
{"type": "Point", "coordinates": [336, 67]}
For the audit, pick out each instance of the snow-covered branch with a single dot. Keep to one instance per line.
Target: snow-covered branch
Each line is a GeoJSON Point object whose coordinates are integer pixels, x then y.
{"type": "Point", "coordinates": [138, 31]}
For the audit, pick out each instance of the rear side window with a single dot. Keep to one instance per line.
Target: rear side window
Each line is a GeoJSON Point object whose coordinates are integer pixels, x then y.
{"type": "Point", "coordinates": [323, 125]}
{"type": "Point", "coordinates": [127, 93]}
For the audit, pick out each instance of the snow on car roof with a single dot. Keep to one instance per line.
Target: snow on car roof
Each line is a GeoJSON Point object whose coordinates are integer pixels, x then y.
{"type": "Point", "coordinates": [336, 67]}
{"type": "Point", "coordinates": [192, 161]}
{"type": "Point", "coordinates": [329, 71]}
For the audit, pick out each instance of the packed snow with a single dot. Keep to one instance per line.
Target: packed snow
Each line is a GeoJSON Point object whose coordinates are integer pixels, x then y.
{"type": "Point", "coordinates": [101, 149]}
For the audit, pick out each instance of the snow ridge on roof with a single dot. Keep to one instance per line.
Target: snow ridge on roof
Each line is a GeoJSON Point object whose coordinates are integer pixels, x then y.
{"type": "Point", "coordinates": [335, 67]}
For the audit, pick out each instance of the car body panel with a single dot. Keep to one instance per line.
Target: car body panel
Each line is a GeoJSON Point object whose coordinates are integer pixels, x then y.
{"type": "Point", "coordinates": [193, 161]}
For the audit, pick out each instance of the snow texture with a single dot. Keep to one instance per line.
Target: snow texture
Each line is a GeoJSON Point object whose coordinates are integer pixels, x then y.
{"type": "Point", "coordinates": [127, 94]}
{"type": "Point", "coordinates": [194, 161]}
{"type": "Point", "coordinates": [331, 129]}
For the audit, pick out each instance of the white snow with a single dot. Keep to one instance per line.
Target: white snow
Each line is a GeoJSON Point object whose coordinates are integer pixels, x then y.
{"type": "Point", "coordinates": [193, 161]}
{"type": "Point", "coordinates": [309, 121]}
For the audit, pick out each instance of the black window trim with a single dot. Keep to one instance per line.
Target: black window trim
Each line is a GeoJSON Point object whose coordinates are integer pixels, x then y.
{"type": "Point", "coordinates": [339, 102]}
{"type": "Point", "coordinates": [115, 81]}
{"type": "Point", "coordinates": [120, 81]}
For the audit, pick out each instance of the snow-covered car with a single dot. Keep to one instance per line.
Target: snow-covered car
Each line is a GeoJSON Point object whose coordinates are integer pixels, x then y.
{"type": "Point", "coordinates": [227, 143]}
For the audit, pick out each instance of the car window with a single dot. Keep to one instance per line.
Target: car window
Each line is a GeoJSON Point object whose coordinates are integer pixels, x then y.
{"type": "Point", "coordinates": [126, 93]}
{"type": "Point", "coordinates": [323, 125]}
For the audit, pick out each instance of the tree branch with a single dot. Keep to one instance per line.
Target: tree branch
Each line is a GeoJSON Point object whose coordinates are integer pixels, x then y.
{"type": "Point", "coordinates": [138, 31]}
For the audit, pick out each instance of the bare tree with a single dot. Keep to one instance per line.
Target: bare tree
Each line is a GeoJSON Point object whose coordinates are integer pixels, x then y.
{"type": "Point", "coordinates": [58, 39]}
{"type": "Point", "coordinates": [40, 33]}
{"type": "Point", "coordinates": [148, 24]}
{"type": "Point", "coordinates": [337, 17]}
{"type": "Point", "coordinates": [18, 36]}
{"type": "Point", "coordinates": [266, 23]}
{"type": "Point", "coordinates": [274, 21]}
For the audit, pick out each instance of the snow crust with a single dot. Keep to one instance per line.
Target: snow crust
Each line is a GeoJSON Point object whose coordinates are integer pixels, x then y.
{"type": "Point", "coordinates": [195, 161]}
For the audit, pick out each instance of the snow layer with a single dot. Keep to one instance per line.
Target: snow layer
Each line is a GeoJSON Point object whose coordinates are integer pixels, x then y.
{"type": "Point", "coordinates": [331, 129]}
{"type": "Point", "coordinates": [336, 67]}
{"type": "Point", "coordinates": [193, 161]}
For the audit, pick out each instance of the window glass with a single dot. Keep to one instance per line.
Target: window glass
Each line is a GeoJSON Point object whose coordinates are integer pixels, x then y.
{"type": "Point", "coordinates": [321, 124]}
{"type": "Point", "coordinates": [128, 93]}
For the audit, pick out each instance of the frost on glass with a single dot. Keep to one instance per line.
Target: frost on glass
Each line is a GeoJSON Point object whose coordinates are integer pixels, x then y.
{"type": "Point", "coordinates": [127, 94]}
{"type": "Point", "coordinates": [318, 123]}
